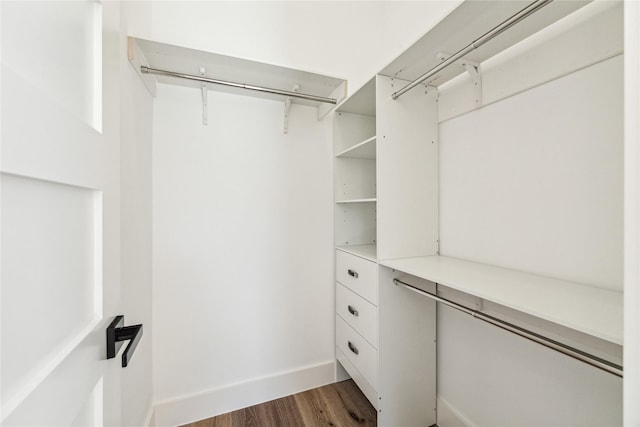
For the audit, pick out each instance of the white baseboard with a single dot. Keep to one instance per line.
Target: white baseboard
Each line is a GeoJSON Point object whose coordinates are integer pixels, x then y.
{"type": "Point", "coordinates": [448, 416]}
{"type": "Point", "coordinates": [206, 404]}
{"type": "Point", "coordinates": [150, 419]}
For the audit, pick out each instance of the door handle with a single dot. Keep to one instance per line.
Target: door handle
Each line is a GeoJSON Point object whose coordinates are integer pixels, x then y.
{"type": "Point", "coordinates": [117, 333]}
{"type": "Point", "coordinates": [352, 273]}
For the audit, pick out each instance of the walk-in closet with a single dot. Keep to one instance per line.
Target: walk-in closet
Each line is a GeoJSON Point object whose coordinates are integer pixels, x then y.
{"type": "Point", "coordinates": [392, 213]}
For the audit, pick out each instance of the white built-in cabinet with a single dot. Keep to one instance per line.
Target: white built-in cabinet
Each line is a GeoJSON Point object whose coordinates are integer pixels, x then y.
{"type": "Point", "coordinates": [386, 173]}
{"type": "Point", "coordinates": [355, 236]}
{"type": "Point", "coordinates": [387, 226]}
{"type": "Point", "coordinates": [355, 174]}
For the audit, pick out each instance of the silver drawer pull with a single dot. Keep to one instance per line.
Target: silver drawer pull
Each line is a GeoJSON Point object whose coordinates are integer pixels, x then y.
{"type": "Point", "coordinates": [352, 311]}
{"type": "Point", "coordinates": [353, 274]}
{"type": "Point", "coordinates": [353, 348]}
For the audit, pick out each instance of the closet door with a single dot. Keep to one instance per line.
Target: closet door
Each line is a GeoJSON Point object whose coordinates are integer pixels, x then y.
{"type": "Point", "coordinates": [60, 213]}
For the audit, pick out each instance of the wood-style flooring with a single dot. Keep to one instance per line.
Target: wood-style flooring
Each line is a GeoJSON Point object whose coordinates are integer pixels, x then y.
{"type": "Point", "coordinates": [339, 405]}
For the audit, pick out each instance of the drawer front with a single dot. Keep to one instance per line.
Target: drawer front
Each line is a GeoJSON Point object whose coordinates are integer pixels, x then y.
{"type": "Point", "coordinates": [359, 352]}
{"type": "Point", "coordinates": [358, 274]}
{"type": "Point", "coordinates": [359, 313]}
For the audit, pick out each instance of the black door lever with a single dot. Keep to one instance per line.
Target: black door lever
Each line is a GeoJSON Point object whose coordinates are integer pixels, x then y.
{"type": "Point", "coordinates": [117, 333]}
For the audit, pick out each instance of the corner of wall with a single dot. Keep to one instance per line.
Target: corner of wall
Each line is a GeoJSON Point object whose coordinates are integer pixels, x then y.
{"type": "Point", "coordinates": [209, 403]}
{"type": "Point", "coordinates": [150, 420]}
{"type": "Point", "coordinates": [448, 416]}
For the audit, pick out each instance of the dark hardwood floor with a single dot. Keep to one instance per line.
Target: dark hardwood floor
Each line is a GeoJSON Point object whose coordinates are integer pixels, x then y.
{"type": "Point", "coordinates": [340, 405]}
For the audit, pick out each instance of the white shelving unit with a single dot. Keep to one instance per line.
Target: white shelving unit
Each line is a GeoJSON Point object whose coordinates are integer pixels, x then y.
{"type": "Point", "coordinates": [387, 213]}
{"type": "Point", "coordinates": [355, 145]}
{"type": "Point", "coordinates": [364, 150]}
{"type": "Point", "coordinates": [189, 61]}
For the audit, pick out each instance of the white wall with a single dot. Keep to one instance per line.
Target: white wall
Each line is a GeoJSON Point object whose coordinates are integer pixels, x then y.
{"type": "Point", "coordinates": [242, 243]}
{"type": "Point", "coordinates": [494, 378]}
{"type": "Point", "coordinates": [534, 182]}
{"type": "Point", "coordinates": [352, 40]}
{"type": "Point", "coordinates": [531, 183]}
{"type": "Point", "coordinates": [243, 217]}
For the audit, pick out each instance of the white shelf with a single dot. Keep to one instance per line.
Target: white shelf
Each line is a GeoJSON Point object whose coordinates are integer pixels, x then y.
{"type": "Point", "coordinates": [189, 61]}
{"type": "Point", "coordinates": [468, 22]}
{"type": "Point", "coordinates": [364, 150]}
{"type": "Point", "coordinates": [363, 100]}
{"type": "Point", "coordinates": [370, 200]}
{"type": "Point", "coordinates": [368, 252]}
{"type": "Point", "coordinates": [591, 310]}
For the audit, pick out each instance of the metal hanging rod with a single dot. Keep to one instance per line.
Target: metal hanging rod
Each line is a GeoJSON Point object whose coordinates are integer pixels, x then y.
{"type": "Point", "coordinates": [580, 355]}
{"type": "Point", "coordinates": [149, 70]}
{"type": "Point", "coordinates": [500, 28]}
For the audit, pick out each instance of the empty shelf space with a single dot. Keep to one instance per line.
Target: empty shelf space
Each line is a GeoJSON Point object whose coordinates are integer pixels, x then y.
{"type": "Point", "coordinates": [368, 252]}
{"type": "Point", "coordinates": [364, 150]}
{"type": "Point", "coordinates": [363, 100]}
{"type": "Point", "coordinates": [588, 309]}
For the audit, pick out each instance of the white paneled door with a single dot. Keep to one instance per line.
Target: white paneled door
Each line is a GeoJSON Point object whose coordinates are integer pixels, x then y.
{"type": "Point", "coordinates": [60, 213]}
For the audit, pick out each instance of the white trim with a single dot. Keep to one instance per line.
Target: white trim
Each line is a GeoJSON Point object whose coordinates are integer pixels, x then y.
{"type": "Point", "coordinates": [150, 419]}
{"type": "Point", "coordinates": [209, 403]}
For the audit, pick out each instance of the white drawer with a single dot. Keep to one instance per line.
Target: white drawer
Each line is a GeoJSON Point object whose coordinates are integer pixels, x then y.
{"type": "Point", "coordinates": [358, 274]}
{"type": "Point", "coordinates": [359, 313]}
{"type": "Point", "coordinates": [359, 352]}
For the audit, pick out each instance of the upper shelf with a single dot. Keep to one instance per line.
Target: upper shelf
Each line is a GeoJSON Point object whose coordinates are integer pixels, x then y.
{"type": "Point", "coordinates": [367, 252]}
{"type": "Point", "coordinates": [364, 150]}
{"type": "Point", "coordinates": [363, 101]}
{"type": "Point", "coordinates": [467, 23]}
{"type": "Point", "coordinates": [189, 61]}
{"type": "Point", "coordinates": [591, 310]}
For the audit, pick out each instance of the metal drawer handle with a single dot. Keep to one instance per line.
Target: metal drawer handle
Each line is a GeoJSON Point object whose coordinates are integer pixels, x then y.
{"type": "Point", "coordinates": [353, 273]}
{"type": "Point", "coordinates": [353, 348]}
{"type": "Point", "coordinates": [352, 311]}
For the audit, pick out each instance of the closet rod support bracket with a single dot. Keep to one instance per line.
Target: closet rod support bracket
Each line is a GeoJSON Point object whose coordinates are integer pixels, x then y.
{"type": "Point", "coordinates": [203, 89]}
{"type": "Point", "coordinates": [473, 69]}
{"type": "Point", "coordinates": [462, 62]}
{"type": "Point", "coordinates": [287, 109]}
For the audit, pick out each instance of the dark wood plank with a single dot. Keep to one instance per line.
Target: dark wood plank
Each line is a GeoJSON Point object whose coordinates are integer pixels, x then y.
{"type": "Point", "coordinates": [223, 420]}
{"type": "Point", "coordinates": [342, 404]}
{"type": "Point", "coordinates": [356, 404]}
{"type": "Point", "coordinates": [334, 405]}
{"type": "Point", "coordinates": [237, 418]}
{"type": "Point", "coordinates": [288, 412]}
{"type": "Point", "coordinates": [277, 413]}
{"type": "Point", "coordinates": [254, 416]}
{"type": "Point", "coordinates": [314, 409]}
